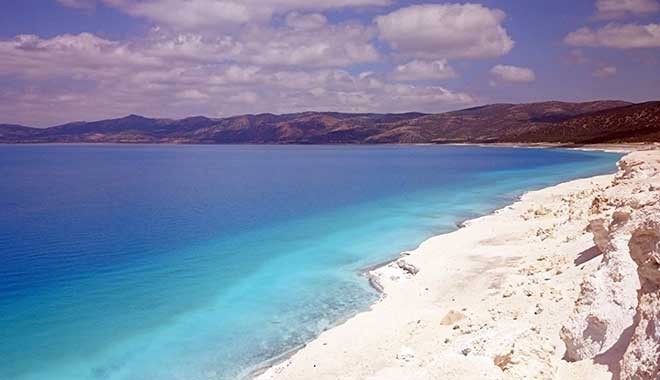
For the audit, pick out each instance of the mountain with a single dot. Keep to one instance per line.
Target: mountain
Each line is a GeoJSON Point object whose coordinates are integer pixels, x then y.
{"type": "Point", "coordinates": [589, 122]}
{"type": "Point", "coordinates": [629, 124]}
{"type": "Point", "coordinates": [489, 123]}
{"type": "Point", "coordinates": [18, 132]}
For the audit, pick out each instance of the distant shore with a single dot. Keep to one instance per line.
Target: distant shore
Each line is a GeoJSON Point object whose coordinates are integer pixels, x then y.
{"type": "Point", "coordinates": [615, 148]}
{"type": "Point", "coordinates": [485, 301]}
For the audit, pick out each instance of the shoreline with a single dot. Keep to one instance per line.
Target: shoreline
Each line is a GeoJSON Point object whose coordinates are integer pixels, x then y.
{"type": "Point", "coordinates": [611, 148]}
{"type": "Point", "coordinates": [605, 147]}
{"type": "Point", "coordinates": [260, 372]}
{"type": "Point", "coordinates": [392, 280]}
{"type": "Point", "coordinates": [369, 273]}
{"type": "Point", "coordinates": [463, 223]}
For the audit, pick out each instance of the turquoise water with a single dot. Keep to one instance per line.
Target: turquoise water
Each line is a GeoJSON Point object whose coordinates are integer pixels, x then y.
{"type": "Point", "coordinates": [202, 262]}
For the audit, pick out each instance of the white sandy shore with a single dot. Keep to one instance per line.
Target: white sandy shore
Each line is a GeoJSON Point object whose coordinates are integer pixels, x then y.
{"type": "Point", "coordinates": [484, 302]}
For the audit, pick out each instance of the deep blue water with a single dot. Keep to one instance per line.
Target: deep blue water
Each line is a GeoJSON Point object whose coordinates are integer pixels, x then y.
{"type": "Point", "coordinates": [200, 262]}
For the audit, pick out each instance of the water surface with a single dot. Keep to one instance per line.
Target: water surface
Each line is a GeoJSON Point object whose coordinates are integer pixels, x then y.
{"type": "Point", "coordinates": [200, 262]}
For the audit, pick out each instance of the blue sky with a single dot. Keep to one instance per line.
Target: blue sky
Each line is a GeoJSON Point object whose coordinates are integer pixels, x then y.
{"type": "Point", "coordinates": [70, 60]}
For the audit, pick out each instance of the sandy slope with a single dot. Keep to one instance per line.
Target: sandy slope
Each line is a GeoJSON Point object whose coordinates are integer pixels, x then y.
{"type": "Point", "coordinates": [484, 302]}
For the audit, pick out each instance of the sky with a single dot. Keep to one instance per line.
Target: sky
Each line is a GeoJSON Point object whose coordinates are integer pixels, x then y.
{"type": "Point", "coordinates": [70, 60]}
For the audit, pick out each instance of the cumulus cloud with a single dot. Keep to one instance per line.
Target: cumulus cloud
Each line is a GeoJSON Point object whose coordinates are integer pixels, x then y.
{"type": "Point", "coordinates": [191, 94]}
{"type": "Point", "coordinates": [246, 97]}
{"type": "Point", "coordinates": [423, 97]}
{"type": "Point", "coordinates": [424, 70]}
{"type": "Point", "coordinates": [308, 21]}
{"type": "Point", "coordinates": [83, 55]}
{"type": "Point", "coordinates": [194, 14]}
{"type": "Point", "coordinates": [220, 14]}
{"type": "Point", "coordinates": [226, 57]}
{"type": "Point", "coordinates": [604, 72]}
{"type": "Point", "coordinates": [87, 77]}
{"type": "Point", "coordinates": [613, 9]}
{"type": "Point", "coordinates": [332, 45]}
{"type": "Point", "coordinates": [181, 93]}
{"type": "Point", "coordinates": [619, 36]}
{"type": "Point", "coordinates": [513, 74]}
{"type": "Point", "coordinates": [446, 31]}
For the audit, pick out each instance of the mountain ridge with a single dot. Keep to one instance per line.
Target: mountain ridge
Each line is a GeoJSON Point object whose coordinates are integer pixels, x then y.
{"type": "Point", "coordinates": [552, 121]}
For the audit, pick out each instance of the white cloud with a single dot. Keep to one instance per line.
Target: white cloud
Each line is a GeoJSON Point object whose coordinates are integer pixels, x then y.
{"type": "Point", "coordinates": [333, 45]}
{"type": "Point", "coordinates": [423, 96]}
{"type": "Point", "coordinates": [247, 97]}
{"type": "Point", "coordinates": [329, 46]}
{"type": "Point", "coordinates": [513, 74]}
{"type": "Point", "coordinates": [424, 70]}
{"type": "Point", "coordinates": [612, 9]}
{"type": "Point", "coordinates": [192, 94]}
{"type": "Point", "coordinates": [196, 13]}
{"type": "Point", "coordinates": [308, 21]}
{"type": "Point", "coordinates": [446, 31]}
{"type": "Point", "coordinates": [604, 72]}
{"type": "Point", "coordinates": [238, 74]}
{"type": "Point", "coordinates": [620, 36]}
{"type": "Point", "coordinates": [221, 14]}
{"type": "Point", "coordinates": [84, 76]}
{"type": "Point", "coordinates": [227, 57]}
{"type": "Point", "coordinates": [83, 55]}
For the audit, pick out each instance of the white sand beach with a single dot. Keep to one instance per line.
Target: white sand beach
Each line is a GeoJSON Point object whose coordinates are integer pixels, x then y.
{"type": "Point", "coordinates": [504, 296]}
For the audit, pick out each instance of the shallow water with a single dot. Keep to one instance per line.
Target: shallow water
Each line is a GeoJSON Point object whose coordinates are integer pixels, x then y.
{"type": "Point", "coordinates": [200, 262]}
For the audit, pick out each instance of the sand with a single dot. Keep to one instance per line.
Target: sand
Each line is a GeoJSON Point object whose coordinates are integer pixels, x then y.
{"type": "Point", "coordinates": [484, 302]}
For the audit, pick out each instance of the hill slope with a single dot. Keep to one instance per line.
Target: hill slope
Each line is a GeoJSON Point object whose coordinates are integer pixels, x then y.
{"type": "Point", "coordinates": [633, 123]}
{"type": "Point", "coordinates": [590, 122]}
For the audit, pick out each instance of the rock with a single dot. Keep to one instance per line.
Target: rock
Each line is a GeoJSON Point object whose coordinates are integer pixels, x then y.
{"type": "Point", "coordinates": [598, 205]}
{"type": "Point", "coordinates": [598, 227]}
{"type": "Point", "coordinates": [452, 317]}
{"type": "Point", "coordinates": [606, 303]}
{"type": "Point", "coordinates": [538, 310]}
{"type": "Point", "coordinates": [624, 292]}
{"type": "Point", "coordinates": [542, 211]}
{"type": "Point", "coordinates": [545, 233]}
{"type": "Point", "coordinates": [407, 267]}
{"type": "Point", "coordinates": [642, 358]}
{"type": "Point", "coordinates": [530, 357]}
{"type": "Point", "coordinates": [503, 361]}
{"type": "Point", "coordinates": [406, 354]}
